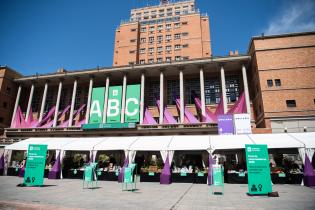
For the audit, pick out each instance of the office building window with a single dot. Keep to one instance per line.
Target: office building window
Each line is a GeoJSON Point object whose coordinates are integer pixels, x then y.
{"type": "Point", "coordinates": [133, 29]}
{"type": "Point", "coordinates": [159, 60]}
{"type": "Point", "coordinates": [212, 91]}
{"type": "Point", "coordinates": [132, 40]}
{"type": "Point", "coordinates": [151, 39]}
{"type": "Point", "coordinates": [49, 100]}
{"type": "Point", "coordinates": [160, 27]}
{"type": "Point", "coordinates": [185, 57]}
{"type": "Point", "coordinates": [132, 51]}
{"type": "Point", "coordinates": [151, 50]}
{"type": "Point", "coordinates": [176, 25]}
{"type": "Point", "coordinates": [153, 93]}
{"type": "Point", "coordinates": [143, 40]}
{"type": "Point", "coordinates": [63, 96]}
{"type": "Point", "coordinates": [184, 23]}
{"type": "Point", "coordinates": [177, 58]}
{"type": "Point", "coordinates": [35, 101]}
{"type": "Point", "coordinates": [177, 47]}
{"type": "Point", "coordinates": [291, 103]}
{"type": "Point", "coordinates": [142, 50]}
{"type": "Point", "coordinates": [185, 34]}
{"type": "Point", "coordinates": [8, 91]}
{"type": "Point", "coordinates": [144, 29]}
{"type": "Point", "coordinates": [184, 45]}
{"type": "Point", "coordinates": [152, 28]}
{"type": "Point", "coordinates": [168, 59]}
{"type": "Point", "coordinates": [168, 48]}
{"type": "Point", "coordinates": [168, 26]}
{"type": "Point", "coordinates": [192, 89]}
{"type": "Point", "coordinates": [142, 61]}
{"type": "Point", "coordinates": [78, 98]}
{"type": "Point", "coordinates": [151, 61]}
{"type": "Point", "coordinates": [277, 82]}
{"type": "Point", "coordinates": [177, 36]}
{"type": "Point", "coordinates": [269, 83]}
{"type": "Point", "coordinates": [168, 37]}
{"type": "Point", "coordinates": [172, 91]}
{"type": "Point", "coordinates": [160, 38]}
{"type": "Point", "coordinates": [160, 49]}
{"type": "Point", "coordinates": [232, 88]}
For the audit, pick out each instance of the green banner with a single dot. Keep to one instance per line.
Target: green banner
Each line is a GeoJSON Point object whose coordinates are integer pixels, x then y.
{"type": "Point", "coordinates": [257, 160]}
{"type": "Point", "coordinates": [114, 104]}
{"type": "Point", "coordinates": [128, 175]}
{"type": "Point", "coordinates": [132, 109]}
{"type": "Point", "coordinates": [35, 165]}
{"type": "Point", "coordinates": [96, 126]}
{"type": "Point", "coordinates": [217, 171]}
{"type": "Point", "coordinates": [97, 105]}
{"type": "Point", "coordinates": [88, 174]}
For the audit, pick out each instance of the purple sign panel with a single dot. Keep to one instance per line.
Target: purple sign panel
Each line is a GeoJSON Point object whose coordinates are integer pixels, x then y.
{"type": "Point", "coordinates": [225, 124]}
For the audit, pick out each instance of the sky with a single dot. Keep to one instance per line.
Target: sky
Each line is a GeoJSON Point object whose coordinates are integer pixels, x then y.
{"type": "Point", "coordinates": [40, 36]}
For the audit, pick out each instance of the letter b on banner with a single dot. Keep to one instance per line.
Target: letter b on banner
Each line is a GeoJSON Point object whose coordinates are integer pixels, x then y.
{"type": "Point", "coordinates": [114, 104]}
{"type": "Point", "coordinates": [132, 103]}
{"type": "Point", "coordinates": [97, 105]}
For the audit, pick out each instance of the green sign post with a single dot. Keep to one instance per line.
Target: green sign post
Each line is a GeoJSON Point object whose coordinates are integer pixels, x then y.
{"type": "Point", "coordinates": [257, 160]}
{"type": "Point", "coordinates": [114, 104]}
{"type": "Point", "coordinates": [35, 165]}
{"type": "Point", "coordinates": [97, 105]}
{"type": "Point", "coordinates": [218, 181]}
{"type": "Point", "coordinates": [132, 110]}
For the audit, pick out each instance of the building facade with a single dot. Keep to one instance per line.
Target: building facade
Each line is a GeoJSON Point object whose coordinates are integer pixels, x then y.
{"type": "Point", "coordinates": [164, 33]}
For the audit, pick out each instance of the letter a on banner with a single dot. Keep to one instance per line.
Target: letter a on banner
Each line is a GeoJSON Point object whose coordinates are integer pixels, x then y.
{"type": "Point", "coordinates": [97, 105]}
{"type": "Point", "coordinates": [132, 103]}
{"type": "Point", "coordinates": [114, 104]}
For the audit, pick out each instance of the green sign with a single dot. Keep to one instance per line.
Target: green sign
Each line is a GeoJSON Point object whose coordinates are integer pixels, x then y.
{"type": "Point", "coordinates": [94, 126]}
{"type": "Point", "coordinates": [114, 104]}
{"type": "Point", "coordinates": [257, 160]}
{"type": "Point", "coordinates": [241, 174]}
{"type": "Point", "coordinates": [88, 173]}
{"type": "Point", "coordinates": [281, 175]}
{"type": "Point", "coordinates": [35, 165]}
{"type": "Point", "coordinates": [183, 174]}
{"type": "Point", "coordinates": [128, 175]}
{"type": "Point", "coordinates": [97, 105]}
{"type": "Point", "coordinates": [132, 109]}
{"type": "Point", "coordinates": [200, 174]}
{"type": "Point", "coordinates": [217, 171]}
{"type": "Point", "coordinates": [151, 173]}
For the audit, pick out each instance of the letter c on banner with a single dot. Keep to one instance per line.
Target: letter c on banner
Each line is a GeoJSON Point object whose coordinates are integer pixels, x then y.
{"type": "Point", "coordinates": [135, 111]}
{"type": "Point", "coordinates": [113, 104]}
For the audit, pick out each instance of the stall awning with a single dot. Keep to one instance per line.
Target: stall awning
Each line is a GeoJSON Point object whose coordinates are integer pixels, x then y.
{"type": "Point", "coordinates": [83, 144]}
{"type": "Point", "coordinates": [115, 143]}
{"type": "Point", "coordinates": [308, 139]}
{"type": "Point", "coordinates": [196, 142]}
{"type": "Point", "coordinates": [151, 143]}
{"type": "Point", "coordinates": [276, 141]}
{"type": "Point", "coordinates": [229, 142]}
{"type": "Point", "coordinates": [23, 145]}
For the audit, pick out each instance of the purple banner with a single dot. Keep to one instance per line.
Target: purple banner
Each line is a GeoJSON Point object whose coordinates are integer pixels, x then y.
{"type": "Point", "coordinates": [225, 124]}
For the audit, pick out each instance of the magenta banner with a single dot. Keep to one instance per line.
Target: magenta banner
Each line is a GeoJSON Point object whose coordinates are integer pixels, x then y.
{"type": "Point", "coordinates": [225, 124]}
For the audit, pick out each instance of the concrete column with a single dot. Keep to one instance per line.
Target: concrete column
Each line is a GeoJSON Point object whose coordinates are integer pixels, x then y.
{"type": "Point", "coordinates": [223, 89]}
{"type": "Point", "coordinates": [17, 101]}
{"type": "Point", "coordinates": [246, 89]}
{"type": "Point", "coordinates": [57, 104]}
{"type": "Point", "coordinates": [181, 95]}
{"type": "Point", "coordinates": [202, 92]}
{"type": "Point", "coordinates": [43, 102]}
{"type": "Point", "coordinates": [161, 97]}
{"type": "Point", "coordinates": [88, 105]}
{"type": "Point", "coordinates": [123, 100]}
{"type": "Point", "coordinates": [142, 98]}
{"type": "Point", "coordinates": [106, 99]}
{"type": "Point", "coordinates": [74, 92]}
{"type": "Point", "coordinates": [29, 104]}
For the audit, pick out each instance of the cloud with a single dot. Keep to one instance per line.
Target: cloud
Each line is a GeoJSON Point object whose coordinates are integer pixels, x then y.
{"type": "Point", "coordinates": [294, 16]}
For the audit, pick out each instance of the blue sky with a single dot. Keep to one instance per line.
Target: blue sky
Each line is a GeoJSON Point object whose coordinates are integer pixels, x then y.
{"type": "Point", "coordinates": [40, 36]}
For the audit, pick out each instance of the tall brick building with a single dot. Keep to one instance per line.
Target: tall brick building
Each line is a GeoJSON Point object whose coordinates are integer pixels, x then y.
{"type": "Point", "coordinates": [163, 33]}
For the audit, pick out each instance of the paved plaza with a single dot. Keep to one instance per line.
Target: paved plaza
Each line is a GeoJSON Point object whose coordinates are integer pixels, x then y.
{"type": "Point", "coordinates": [68, 194]}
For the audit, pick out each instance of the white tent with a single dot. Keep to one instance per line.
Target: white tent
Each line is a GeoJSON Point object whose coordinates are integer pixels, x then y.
{"type": "Point", "coordinates": [276, 141]}
{"type": "Point", "coordinates": [58, 143]}
{"type": "Point", "coordinates": [151, 143]}
{"type": "Point", "coordinates": [189, 142]}
{"type": "Point", "coordinates": [83, 144]}
{"type": "Point", "coordinates": [308, 139]}
{"type": "Point", "coordinates": [23, 145]}
{"type": "Point", "coordinates": [115, 143]}
{"type": "Point", "coordinates": [229, 141]}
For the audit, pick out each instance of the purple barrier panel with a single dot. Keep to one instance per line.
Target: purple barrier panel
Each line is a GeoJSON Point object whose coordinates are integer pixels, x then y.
{"type": "Point", "coordinates": [225, 124]}
{"type": "Point", "coordinates": [239, 106]}
{"type": "Point", "coordinates": [122, 170]}
{"type": "Point", "coordinates": [165, 176]}
{"type": "Point", "coordinates": [309, 175]}
{"type": "Point", "coordinates": [54, 173]}
{"type": "Point", "coordinates": [189, 117]}
{"type": "Point", "coordinates": [2, 161]}
{"type": "Point", "coordinates": [148, 118]}
{"type": "Point", "coordinates": [21, 172]}
{"type": "Point", "coordinates": [210, 177]}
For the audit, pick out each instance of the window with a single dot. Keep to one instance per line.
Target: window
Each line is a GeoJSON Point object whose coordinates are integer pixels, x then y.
{"type": "Point", "coordinates": [160, 49]}
{"type": "Point", "coordinates": [177, 12]}
{"type": "Point", "coordinates": [143, 40]}
{"type": "Point", "coordinates": [161, 10]}
{"type": "Point", "coordinates": [132, 40]}
{"type": "Point", "coordinates": [151, 39]}
{"type": "Point", "coordinates": [142, 50]}
{"type": "Point", "coordinates": [169, 9]}
{"type": "Point", "coordinates": [160, 38]}
{"type": "Point", "coordinates": [5, 105]}
{"type": "Point", "coordinates": [168, 26]}
{"type": "Point", "coordinates": [131, 63]}
{"type": "Point", "coordinates": [160, 27]}
{"type": "Point", "coordinates": [176, 25]}
{"type": "Point", "coordinates": [212, 91]}
{"type": "Point", "coordinates": [168, 59]}
{"type": "Point", "coordinates": [161, 15]}
{"type": "Point", "coordinates": [63, 103]}
{"type": "Point", "coordinates": [151, 50]}
{"type": "Point", "coordinates": [153, 92]}
{"type": "Point", "coordinates": [185, 57]}
{"type": "Point", "coordinates": [185, 34]}
{"type": "Point", "coordinates": [169, 14]}
{"type": "Point", "coordinates": [177, 58]}
{"type": "Point", "coordinates": [177, 36]}
{"type": "Point", "coordinates": [159, 60]}
{"type": "Point", "coordinates": [151, 61]}
{"type": "Point", "coordinates": [192, 88]}
{"type": "Point", "coordinates": [291, 103]}
{"type": "Point", "coordinates": [142, 61]}
{"type": "Point", "coordinates": [8, 90]}
{"type": "Point", "coordinates": [144, 29]}
{"type": "Point", "coordinates": [77, 98]}
{"type": "Point", "coordinates": [133, 29]}
{"type": "Point", "coordinates": [168, 37]}
{"type": "Point", "coordinates": [232, 88]}
{"type": "Point", "coordinates": [314, 100]}
{"type": "Point", "coordinates": [168, 48]}
{"type": "Point", "coordinates": [132, 51]}
{"type": "Point", "coordinates": [177, 47]}
{"type": "Point", "coordinates": [49, 100]}
{"type": "Point", "coordinates": [184, 45]}
{"type": "Point", "coordinates": [184, 23]}
{"type": "Point", "coordinates": [152, 28]}
{"type": "Point", "coordinates": [277, 82]}
{"type": "Point", "coordinates": [269, 83]}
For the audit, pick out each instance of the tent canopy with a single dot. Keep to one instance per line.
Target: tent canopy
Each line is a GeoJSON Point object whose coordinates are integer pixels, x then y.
{"type": "Point", "coordinates": [85, 144]}
{"type": "Point", "coordinates": [115, 143]}
{"type": "Point", "coordinates": [276, 141]}
{"type": "Point", "coordinates": [308, 139]}
{"type": "Point", "coordinates": [23, 145]}
{"type": "Point", "coordinates": [229, 141]}
{"type": "Point", "coordinates": [151, 143]}
{"type": "Point", "coordinates": [196, 142]}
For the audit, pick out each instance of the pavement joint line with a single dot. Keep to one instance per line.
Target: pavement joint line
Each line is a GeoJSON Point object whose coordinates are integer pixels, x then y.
{"type": "Point", "coordinates": [181, 197]}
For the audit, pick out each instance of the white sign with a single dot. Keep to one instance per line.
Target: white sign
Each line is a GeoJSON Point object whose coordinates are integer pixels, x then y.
{"type": "Point", "coordinates": [242, 124]}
